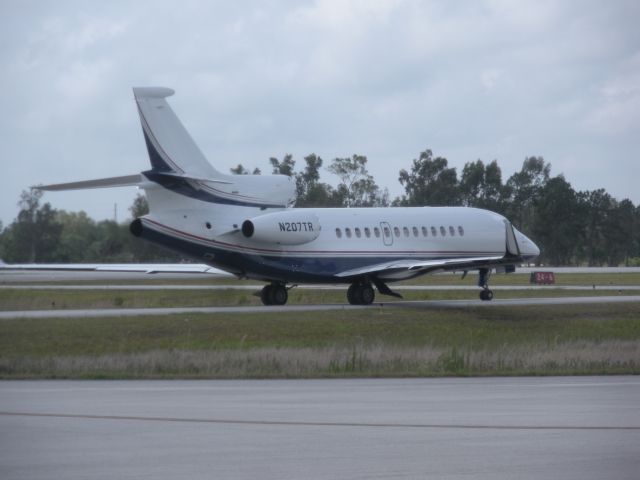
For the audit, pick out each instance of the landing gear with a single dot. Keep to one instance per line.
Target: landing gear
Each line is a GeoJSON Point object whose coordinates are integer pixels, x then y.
{"type": "Point", "coordinates": [483, 281]}
{"type": "Point", "coordinates": [486, 294]}
{"type": "Point", "coordinates": [274, 294]}
{"type": "Point", "coordinates": [361, 294]}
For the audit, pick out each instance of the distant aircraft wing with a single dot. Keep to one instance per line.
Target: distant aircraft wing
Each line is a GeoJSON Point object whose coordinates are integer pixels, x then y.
{"type": "Point", "coordinates": [119, 267]}
{"type": "Point", "coordinates": [422, 265]}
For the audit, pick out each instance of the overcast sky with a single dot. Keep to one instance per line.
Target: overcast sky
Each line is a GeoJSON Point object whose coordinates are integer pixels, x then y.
{"type": "Point", "coordinates": [386, 79]}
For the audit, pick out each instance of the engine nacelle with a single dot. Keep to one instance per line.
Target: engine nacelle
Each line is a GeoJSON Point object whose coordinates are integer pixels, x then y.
{"type": "Point", "coordinates": [285, 228]}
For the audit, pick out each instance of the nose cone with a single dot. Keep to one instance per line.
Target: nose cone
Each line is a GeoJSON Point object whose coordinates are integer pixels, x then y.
{"type": "Point", "coordinates": [528, 249]}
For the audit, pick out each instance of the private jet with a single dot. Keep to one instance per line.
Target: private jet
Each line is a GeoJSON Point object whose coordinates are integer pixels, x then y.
{"type": "Point", "coordinates": [247, 225]}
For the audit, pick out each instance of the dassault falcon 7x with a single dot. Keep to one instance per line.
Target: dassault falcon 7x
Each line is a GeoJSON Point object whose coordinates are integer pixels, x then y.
{"type": "Point", "coordinates": [246, 224]}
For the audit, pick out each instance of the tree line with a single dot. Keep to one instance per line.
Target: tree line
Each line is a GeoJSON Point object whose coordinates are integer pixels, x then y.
{"type": "Point", "coordinates": [571, 227]}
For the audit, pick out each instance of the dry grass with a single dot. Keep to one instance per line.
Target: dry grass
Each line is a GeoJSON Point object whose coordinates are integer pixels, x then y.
{"type": "Point", "coordinates": [580, 357]}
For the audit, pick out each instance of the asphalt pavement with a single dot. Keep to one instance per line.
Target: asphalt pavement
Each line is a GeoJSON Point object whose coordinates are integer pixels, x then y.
{"type": "Point", "coordinates": [480, 428]}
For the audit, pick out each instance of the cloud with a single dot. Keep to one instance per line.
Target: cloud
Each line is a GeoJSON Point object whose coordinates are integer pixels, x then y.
{"type": "Point", "coordinates": [387, 79]}
{"type": "Point", "coordinates": [617, 104]}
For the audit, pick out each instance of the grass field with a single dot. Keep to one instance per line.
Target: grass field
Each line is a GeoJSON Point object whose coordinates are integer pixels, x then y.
{"type": "Point", "coordinates": [389, 341]}
{"type": "Point", "coordinates": [601, 339]}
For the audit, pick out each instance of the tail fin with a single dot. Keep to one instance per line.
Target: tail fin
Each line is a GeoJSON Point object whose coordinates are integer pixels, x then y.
{"type": "Point", "coordinates": [171, 148]}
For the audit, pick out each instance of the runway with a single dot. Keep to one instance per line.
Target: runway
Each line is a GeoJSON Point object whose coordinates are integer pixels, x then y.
{"type": "Point", "coordinates": [482, 428]}
{"type": "Point", "coordinates": [260, 309]}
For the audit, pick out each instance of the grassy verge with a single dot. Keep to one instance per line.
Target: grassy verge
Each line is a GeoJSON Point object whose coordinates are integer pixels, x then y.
{"type": "Point", "coordinates": [547, 340]}
{"type": "Point", "coordinates": [45, 299]}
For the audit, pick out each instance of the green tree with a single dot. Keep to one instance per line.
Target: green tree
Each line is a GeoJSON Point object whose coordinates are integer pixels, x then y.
{"type": "Point", "coordinates": [524, 188]}
{"type": "Point", "coordinates": [32, 237]}
{"type": "Point", "coordinates": [239, 170]}
{"type": "Point", "coordinates": [556, 227]}
{"type": "Point", "coordinates": [139, 207]}
{"type": "Point", "coordinates": [310, 192]}
{"type": "Point", "coordinates": [431, 182]}
{"type": "Point", "coordinates": [78, 232]}
{"type": "Point", "coordinates": [284, 167]}
{"type": "Point", "coordinates": [620, 232]}
{"type": "Point", "coordinates": [481, 186]}
{"type": "Point", "coordinates": [596, 206]}
{"type": "Point", "coordinates": [357, 188]}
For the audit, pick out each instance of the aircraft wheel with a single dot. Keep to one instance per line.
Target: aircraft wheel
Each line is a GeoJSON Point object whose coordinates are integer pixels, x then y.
{"type": "Point", "coordinates": [265, 295]}
{"type": "Point", "coordinates": [360, 294]}
{"type": "Point", "coordinates": [486, 295]}
{"type": "Point", "coordinates": [279, 295]}
{"type": "Point", "coordinates": [367, 294]}
{"type": "Point", "coordinates": [354, 295]}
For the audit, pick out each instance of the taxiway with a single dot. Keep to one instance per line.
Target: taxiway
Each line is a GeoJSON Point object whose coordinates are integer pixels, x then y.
{"type": "Point", "coordinates": [260, 309]}
{"type": "Point", "coordinates": [482, 428]}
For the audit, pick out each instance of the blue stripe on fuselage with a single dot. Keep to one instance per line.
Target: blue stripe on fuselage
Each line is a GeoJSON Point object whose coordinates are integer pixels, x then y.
{"type": "Point", "coordinates": [287, 269]}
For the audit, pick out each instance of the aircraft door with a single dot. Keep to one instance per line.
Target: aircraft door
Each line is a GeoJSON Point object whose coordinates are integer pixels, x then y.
{"type": "Point", "coordinates": [387, 236]}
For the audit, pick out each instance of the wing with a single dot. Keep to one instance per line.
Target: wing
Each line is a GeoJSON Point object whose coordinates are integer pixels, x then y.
{"type": "Point", "coordinates": [119, 267]}
{"type": "Point", "coordinates": [423, 266]}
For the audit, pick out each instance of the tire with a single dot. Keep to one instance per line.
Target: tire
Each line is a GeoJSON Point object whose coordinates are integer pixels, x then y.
{"type": "Point", "coordinates": [367, 295]}
{"type": "Point", "coordinates": [486, 295]}
{"type": "Point", "coordinates": [354, 295]}
{"type": "Point", "coordinates": [278, 295]}
{"type": "Point", "coordinates": [265, 295]}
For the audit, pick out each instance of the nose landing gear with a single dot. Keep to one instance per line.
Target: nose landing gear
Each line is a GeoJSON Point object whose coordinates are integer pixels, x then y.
{"type": "Point", "coordinates": [483, 281]}
{"type": "Point", "coordinates": [486, 294]}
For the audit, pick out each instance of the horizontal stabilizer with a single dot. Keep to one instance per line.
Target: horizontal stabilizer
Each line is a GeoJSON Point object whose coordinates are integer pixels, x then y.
{"type": "Point", "coordinates": [125, 181]}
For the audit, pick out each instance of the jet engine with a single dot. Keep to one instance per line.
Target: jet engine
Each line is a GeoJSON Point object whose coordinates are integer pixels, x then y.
{"type": "Point", "coordinates": [292, 227]}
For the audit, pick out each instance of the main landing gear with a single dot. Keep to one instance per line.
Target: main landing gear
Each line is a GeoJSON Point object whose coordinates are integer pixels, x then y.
{"type": "Point", "coordinates": [274, 294]}
{"type": "Point", "coordinates": [361, 294]}
{"type": "Point", "coordinates": [483, 281]}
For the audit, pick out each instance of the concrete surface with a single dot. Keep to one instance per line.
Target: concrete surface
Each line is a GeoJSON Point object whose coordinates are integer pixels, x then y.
{"type": "Point", "coordinates": [483, 428]}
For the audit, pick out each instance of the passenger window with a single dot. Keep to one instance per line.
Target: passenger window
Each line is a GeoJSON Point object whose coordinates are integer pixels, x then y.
{"type": "Point", "coordinates": [376, 232]}
{"type": "Point", "coordinates": [424, 232]}
{"type": "Point", "coordinates": [338, 233]}
{"type": "Point", "coordinates": [367, 232]}
{"type": "Point", "coordinates": [387, 232]}
{"type": "Point", "coordinates": [443, 232]}
{"type": "Point", "coordinates": [405, 230]}
{"type": "Point", "coordinates": [396, 231]}
{"type": "Point", "coordinates": [452, 231]}
{"type": "Point", "coordinates": [461, 231]}
{"type": "Point", "coordinates": [358, 234]}
{"type": "Point", "coordinates": [347, 231]}
{"type": "Point", "coordinates": [434, 232]}
{"type": "Point", "coordinates": [415, 231]}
